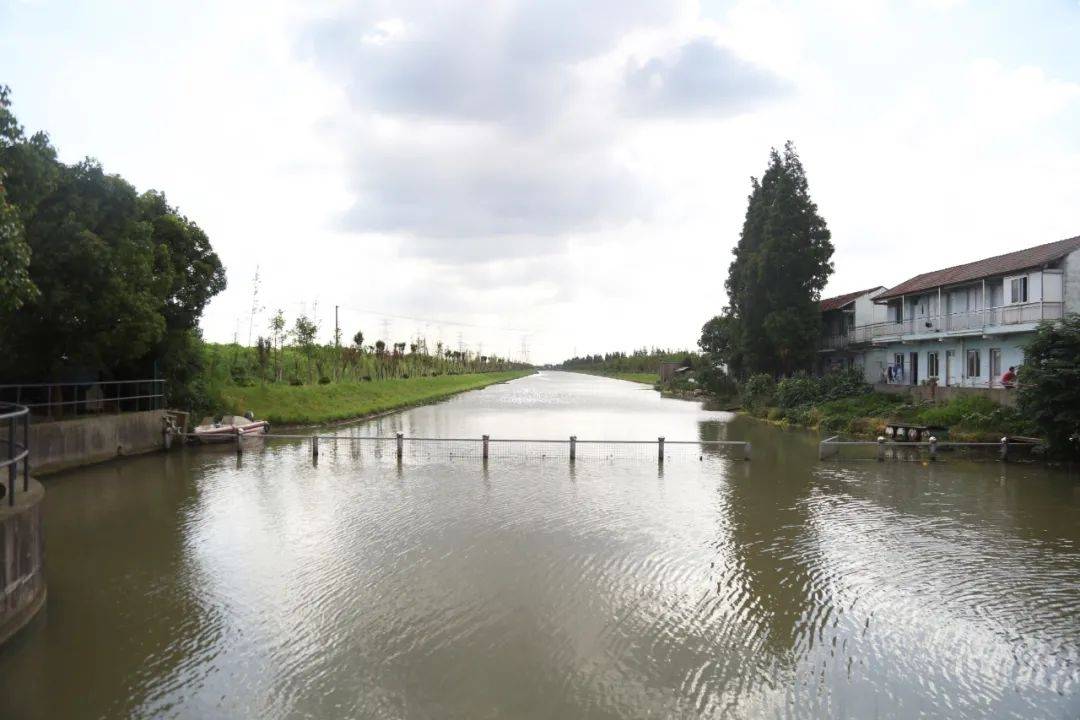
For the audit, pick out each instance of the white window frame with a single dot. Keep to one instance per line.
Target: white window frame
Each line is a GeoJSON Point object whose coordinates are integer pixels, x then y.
{"type": "Point", "coordinates": [1025, 289]}
{"type": "Point", "coordinates": [932, 367]}
{"type": "Point", "coordinates": [977, 354]}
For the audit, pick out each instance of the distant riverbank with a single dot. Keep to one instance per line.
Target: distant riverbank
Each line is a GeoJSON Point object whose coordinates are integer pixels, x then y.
{"type": "Point", "coordinates": [333, 402]}
{"type": "Point", "coordinates": [645, 378]}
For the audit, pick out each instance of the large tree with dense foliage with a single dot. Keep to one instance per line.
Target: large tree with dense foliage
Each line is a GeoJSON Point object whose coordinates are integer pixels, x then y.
{"type": "Point", "coordinates": [781, 265]}
{"type": "Point", "coordinates": [119, 280]}
{"type": "Point", "coordinates": [1049, 384]}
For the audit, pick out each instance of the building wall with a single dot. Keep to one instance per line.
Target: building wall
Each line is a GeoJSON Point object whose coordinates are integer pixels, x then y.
{"type": "Point", "coordinates": [866, 311]}
{"type": "Point", "coordinates": [1012, 355]}
{"type": "Point", "coordinates": [1071, 279]}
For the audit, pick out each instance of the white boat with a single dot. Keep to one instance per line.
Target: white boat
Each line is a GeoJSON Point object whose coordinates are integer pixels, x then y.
{"type": "Point", "coordinates": [226, 430]}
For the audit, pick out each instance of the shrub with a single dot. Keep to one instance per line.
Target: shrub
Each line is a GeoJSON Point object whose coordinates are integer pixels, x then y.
{"type": "Point", "coordinates": [1050, 384]}
{"type": "Point", "coordinates": [716, 382]}
{"type": "Point", "coordinates": [798, 390]}
{"type": "Point", "coordinates": [973, 412]}
{"type": "Point", "coordinates": [758, 391]}
{"type": "Point", "coordinates": [776, 414]}
{"type": "Point", "coordinates": [842, 384]}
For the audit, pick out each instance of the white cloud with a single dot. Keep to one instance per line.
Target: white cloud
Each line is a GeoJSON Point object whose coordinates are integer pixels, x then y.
{"type": "Point", "coordinates": [577, 170]}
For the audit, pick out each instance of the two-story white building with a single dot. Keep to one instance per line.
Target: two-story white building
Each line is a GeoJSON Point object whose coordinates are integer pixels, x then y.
{"type": "Point", "coordinates": [839, 346]}
{"type": "Point", "coordinates": [967, 324]}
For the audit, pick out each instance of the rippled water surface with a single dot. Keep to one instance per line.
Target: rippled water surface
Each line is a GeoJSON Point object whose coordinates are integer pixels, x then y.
{"type": "Point", "coordinates": [195, 585]}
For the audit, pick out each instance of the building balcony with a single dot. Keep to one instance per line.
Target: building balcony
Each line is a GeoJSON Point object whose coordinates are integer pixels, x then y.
{"type": "Point", "coordinates": [830, 343]}
{"type": "Point", "coordinates": [976, 322]}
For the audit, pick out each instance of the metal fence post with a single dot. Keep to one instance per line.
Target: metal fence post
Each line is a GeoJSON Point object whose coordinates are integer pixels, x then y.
{"type": "Point", "coordinates": [400, 446]}
{"type": "Point", "coordinates": [26, 460]}
{"type": "Point", "coordinates": [660, 449]}
{"type": "Point", "coordinates": [11, 456]}
{"type": "Point", "coordinates": [746, 451]}
{"type": "Point", "coordinates": [881, 449]}
{"type": "Point", "coordinates": [1005, 449]}
{"type": "Point", "coordinates": [933, 448]}
{"type": "Point", "coordinates": [239, 442]}
{"type": "Point", "coordinates": [486, 438]}
{"type": "Point", "coordinates": [314, 447]}
{"type": "Point", "coordinates": [573, 448]}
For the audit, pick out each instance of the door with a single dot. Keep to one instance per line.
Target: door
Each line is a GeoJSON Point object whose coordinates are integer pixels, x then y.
{"type": "Point", "coordinates": [950, 367]}
{"type": "Point", "coordinates": [995, 366]}
{"type": "Point", "coordinates": [914, 368]}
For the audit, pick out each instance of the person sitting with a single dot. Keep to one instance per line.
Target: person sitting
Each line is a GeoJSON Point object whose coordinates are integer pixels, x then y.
{"type": "Point", "coordinates": [1008, 378]}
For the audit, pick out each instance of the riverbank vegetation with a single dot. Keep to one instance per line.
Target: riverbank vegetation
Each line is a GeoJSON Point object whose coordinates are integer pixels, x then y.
{"type": "Point", "coordinates": [841, 402]}
{"type": "Point", "coordinates": [289, 378]}
{"type": "Point", "coordinates": [641, 365]}
{"type": "Point", "coordinates": [349, 399]}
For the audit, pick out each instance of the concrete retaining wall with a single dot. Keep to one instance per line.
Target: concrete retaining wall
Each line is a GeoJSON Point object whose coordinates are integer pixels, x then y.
{"type": "Point", "coordinates": [70, 443]}
{"type": "Point", "coordinates": [22, 559]}
{"type": "Point", "coordinates": [942, 393]}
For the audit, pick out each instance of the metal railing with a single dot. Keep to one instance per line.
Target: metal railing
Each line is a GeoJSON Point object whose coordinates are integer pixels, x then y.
{"type": "Point", "coordinates": [967, 320]}
{"type": "Point", "coordinates": [58, 400]}
{"type": "Point", "coordinates": [14, 415]}
{"type": "Point", "coordinates": [836, 342]}
{"type": "Point", "coordinates": [1005, 450]}
{"type": "Point", "coordinates": [486, 447]}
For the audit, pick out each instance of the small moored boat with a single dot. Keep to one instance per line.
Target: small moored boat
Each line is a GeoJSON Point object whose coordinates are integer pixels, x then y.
{"type": "Point", "coordinates": [225, 430]}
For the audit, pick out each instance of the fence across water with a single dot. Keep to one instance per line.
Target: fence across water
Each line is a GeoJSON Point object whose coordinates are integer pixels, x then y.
{"type": "Point", "coordinates": [402, 447]}
{"type": "Point", "coordinates": [932, 450]}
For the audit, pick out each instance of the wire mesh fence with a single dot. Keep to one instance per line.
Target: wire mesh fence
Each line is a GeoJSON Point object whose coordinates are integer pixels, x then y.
{"type": "Point", "coordinates": [418, 449]}
{"type": "Point", "coordinates": [1005, 450]}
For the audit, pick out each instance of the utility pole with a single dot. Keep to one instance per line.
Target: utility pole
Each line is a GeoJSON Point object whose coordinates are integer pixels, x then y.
{"type": "Point", "coordinates": [254, 305]}
{"type": "Point", "coordinates": [337, 329]}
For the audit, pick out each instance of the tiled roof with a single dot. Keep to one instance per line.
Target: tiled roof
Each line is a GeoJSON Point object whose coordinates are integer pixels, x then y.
{"type": "Point", "coordinates": [997, 265]}
{"type": "Point", "coordinates": [841, 301]}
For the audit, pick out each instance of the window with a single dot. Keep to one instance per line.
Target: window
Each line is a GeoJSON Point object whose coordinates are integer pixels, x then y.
{"type": "Point", "coordinates": [974, 369]}
{"type": "Point", "coordinates": [1018, 290]}
{"type": "Point", "coordinates": [931, 364]}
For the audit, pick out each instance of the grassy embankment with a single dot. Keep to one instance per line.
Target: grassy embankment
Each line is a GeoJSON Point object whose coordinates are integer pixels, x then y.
{"type": "Point", "coordinates": [315, 404]}
{"type": "Point", "coordinates": [970, 418]}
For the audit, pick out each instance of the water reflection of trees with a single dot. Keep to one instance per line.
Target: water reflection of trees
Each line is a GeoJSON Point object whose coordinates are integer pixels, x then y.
{"type": "Point", "coordinates": [766, 571]}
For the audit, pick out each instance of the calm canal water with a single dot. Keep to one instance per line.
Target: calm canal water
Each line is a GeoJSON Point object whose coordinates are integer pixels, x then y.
{"type": "Point", "coordinates": [194, 585]}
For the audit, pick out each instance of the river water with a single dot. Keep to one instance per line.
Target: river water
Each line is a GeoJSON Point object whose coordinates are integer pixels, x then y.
{"type": "Point", "coordinates": [197, 585]}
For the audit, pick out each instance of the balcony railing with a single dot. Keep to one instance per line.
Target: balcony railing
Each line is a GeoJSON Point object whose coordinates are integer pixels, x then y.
{"type": "Point", "coordinates": [835, 342]}
{"type": "Point", "coordinates": [972, 321]}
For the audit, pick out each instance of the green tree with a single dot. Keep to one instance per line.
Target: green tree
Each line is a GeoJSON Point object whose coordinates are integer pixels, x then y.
{"type": "Point", "coordinates": [358, 340]}
{"type": "Point", "coordinates": [304, 332]}
{"type": "Point", "coordinates": [16, 287]}
{"type": "Point", "coordinates": [781, 265]}
{"type": "Point", "coordinates": [277, 337]}
{"type": "Point", "coordinates": [120, 280]}
{"type": "Point", "coordinates": [1049, 384]}
{"type": "Point", "coordinates": [719, 341]}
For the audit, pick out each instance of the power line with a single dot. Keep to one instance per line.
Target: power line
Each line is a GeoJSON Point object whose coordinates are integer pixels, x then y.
{"type": "Point", "coordinates": [437, 321]}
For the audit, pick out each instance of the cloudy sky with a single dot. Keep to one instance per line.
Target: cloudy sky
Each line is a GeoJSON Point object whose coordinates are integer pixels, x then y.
{"type": "Point", "coordinates": [570, 176]}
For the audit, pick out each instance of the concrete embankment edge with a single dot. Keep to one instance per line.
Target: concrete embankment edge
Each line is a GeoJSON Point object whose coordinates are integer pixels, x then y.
{"type": "Point", "coordinates": [22, 559]}
{"type": "Point", "coordinates": [87, 440]}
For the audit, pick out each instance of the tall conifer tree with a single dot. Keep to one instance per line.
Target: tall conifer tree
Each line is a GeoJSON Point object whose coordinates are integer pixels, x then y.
{"type": "Point", "coordinates": [781, 265]}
